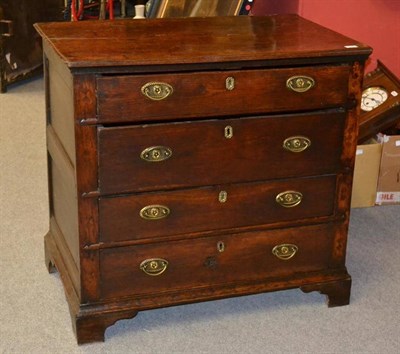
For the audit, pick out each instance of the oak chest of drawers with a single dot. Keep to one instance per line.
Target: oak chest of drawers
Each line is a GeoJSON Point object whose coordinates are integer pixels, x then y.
{"type": "Point", "coordinates": [196, 159]}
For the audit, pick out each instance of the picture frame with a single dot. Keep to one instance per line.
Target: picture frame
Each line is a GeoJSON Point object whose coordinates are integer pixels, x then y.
{"type": "Point", "coordinates": [197, 8]}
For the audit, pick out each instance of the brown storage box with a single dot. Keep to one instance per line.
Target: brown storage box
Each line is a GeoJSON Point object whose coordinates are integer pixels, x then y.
{"type": "Point", "coordinates": [366, 172]}
{"type": "Point", "coordinates": [388, 191]}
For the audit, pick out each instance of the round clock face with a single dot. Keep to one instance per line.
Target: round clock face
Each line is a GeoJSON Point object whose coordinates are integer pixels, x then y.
{"type": "Point", "coordinates": [372, 97]}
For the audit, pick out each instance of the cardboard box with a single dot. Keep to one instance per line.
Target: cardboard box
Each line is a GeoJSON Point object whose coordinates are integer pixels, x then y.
{"type": "Point", "coordinates": [366, 172]}
{"type": "Point", "coordinates": [388, 191]}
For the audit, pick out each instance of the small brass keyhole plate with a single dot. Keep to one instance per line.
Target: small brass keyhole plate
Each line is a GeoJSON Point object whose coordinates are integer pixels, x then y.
{"type": "Point", "coordinates": [220, 246]}
{"type": "Point", "coordinates": [228, 132]}
{"type": "Point", "coordinates": [222, 196]}
{"type": "Point", "coordinates": [230, 83]}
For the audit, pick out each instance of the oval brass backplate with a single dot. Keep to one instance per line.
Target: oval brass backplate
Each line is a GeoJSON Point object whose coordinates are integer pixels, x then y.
{"type": "Point", "coordinates": [157, 91]}
{"type": "Point", "coordinates": [154, 266]}
{"type": "Point", "coordinates": [289, 199]}
{"type": "Point", "coordinates": [300, 83]}
{"type": "Point", "coordinates": [297, 143]}
{"type": "Point", "coordinates": [154, 212]}
{"type": "Point", "coordinates": [285, 251]}
{"type": "Point", "coordinates": [156, 153]}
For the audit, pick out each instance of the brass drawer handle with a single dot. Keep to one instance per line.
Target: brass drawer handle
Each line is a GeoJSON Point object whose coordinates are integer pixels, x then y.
{"type": "Point", "coordinates": [285, 251]}
{"type": "Point", "coordinates": [300, 83]}
{"type": "Point", "coordinates": [297, 143]}
{"type": "Point", "coordinates": [156, 153]}
{"type": "Point", "coordinates": [289, 199]}
{"type": "Point", "coordinates": [154, 212]}
{"type": "Point", "coordinates": [157, 91]}
{"type": "Point", "coordinates": [154, 266]}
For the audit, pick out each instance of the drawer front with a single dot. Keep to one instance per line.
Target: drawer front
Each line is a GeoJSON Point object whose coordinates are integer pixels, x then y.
{"type": "Point", "coordinates": [163, 214]}
{"type": "Point", "coordinates": [193, 95]}
{"type": "Point", "coordinates": [205, 262]}
{"type": "Point", "coordinates": [163, 156]}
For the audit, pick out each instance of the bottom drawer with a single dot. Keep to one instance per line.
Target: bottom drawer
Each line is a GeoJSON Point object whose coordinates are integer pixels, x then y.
{"type": "Point", "coordinates": [204, 262]}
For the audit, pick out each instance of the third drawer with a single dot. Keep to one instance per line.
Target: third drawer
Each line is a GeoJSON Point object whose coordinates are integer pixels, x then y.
{"type": "Point", "coordinates": [223, 207]}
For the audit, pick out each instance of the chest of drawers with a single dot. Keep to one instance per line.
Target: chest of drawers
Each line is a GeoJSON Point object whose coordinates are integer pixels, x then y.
{"type": "Point", "coordinates": [197, 159]}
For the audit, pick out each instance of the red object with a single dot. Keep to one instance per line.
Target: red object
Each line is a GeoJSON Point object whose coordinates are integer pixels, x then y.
{"type": "Point", "coordinates": [79, 14]}
{"type": "Point", "coordinates": [372, 22]}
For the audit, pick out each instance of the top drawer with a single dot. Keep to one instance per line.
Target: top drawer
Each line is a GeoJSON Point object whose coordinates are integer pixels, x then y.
{"type": "Point", "coordinates": [205, 94]}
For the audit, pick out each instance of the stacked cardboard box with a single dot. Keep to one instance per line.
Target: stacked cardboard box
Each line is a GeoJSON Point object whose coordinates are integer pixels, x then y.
{"type": "Point", "coordinates": [377, 172]}
{"type": "Point", "coordinates": [366, 172]}
{"type": "Point", "coordinates": [388, 189]}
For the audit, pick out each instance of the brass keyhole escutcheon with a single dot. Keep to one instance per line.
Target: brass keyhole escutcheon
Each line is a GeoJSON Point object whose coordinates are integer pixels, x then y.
{"type": "Point", "coordinates": [220, 246]}
{"type": "Point", "coordinates": [230, 83]}
{"type": "Point", "coordinates": [228, 132]}
{"type": "Point", "coordinates": [222, 196]}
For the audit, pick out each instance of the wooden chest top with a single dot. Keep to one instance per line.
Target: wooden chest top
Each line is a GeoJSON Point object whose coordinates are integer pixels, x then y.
{"type": "Point", "coordinates": [218, 40]}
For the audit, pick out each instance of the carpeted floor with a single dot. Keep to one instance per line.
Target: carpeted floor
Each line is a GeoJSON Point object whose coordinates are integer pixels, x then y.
{"type": "Point", "coordinates": [34, 313]}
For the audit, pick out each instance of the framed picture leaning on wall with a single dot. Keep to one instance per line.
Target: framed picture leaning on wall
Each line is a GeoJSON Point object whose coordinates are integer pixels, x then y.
{"type": "Point", "coordinates": [197, 8]}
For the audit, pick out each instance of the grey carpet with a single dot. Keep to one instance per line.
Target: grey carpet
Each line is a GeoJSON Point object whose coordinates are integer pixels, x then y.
{"type": "Point", "coordinates": [34, 313]}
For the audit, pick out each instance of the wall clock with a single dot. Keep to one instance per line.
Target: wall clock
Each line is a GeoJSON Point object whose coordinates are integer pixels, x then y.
{"type": "Point", "coordinates": [380, 102]}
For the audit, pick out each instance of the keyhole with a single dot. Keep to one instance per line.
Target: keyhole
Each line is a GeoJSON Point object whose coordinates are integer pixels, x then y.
{"type": "Point", "coordinates": [228, 132]}
{"type": "Point", "coordinates": [230, 83]}
{"type": "Point", "coordinates": [220, 246]}
{"type": "Point", "coordinates": [223, 196]}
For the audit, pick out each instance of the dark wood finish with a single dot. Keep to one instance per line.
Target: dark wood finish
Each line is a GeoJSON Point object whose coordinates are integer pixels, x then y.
{"type": "Point", "coordinates": [252, 40]}
{"type": "Point", "coordinates": [255, 151]}
{"type": "Point", "coordinates": [199, 95]}
{"type": "Point", "coordinates": [215, 249]}
{"type": "Point", "coordinates": [199, 210]}
{"type": "Point", "coordinates": [246, 257]}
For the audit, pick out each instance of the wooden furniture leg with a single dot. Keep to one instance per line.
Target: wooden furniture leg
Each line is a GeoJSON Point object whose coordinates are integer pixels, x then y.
{"type": "Point", "coordinates": [337, 292]}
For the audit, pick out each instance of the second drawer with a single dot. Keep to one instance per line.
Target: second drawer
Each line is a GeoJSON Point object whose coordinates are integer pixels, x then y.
{"type": "Point", "coordinates": [182, 155]}
{"type": "Point", "coordinates": [156, 215]}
